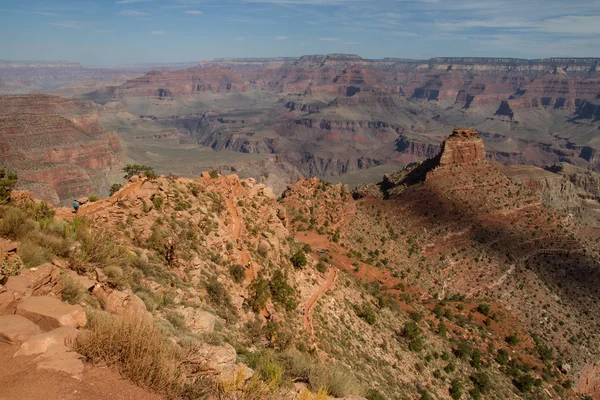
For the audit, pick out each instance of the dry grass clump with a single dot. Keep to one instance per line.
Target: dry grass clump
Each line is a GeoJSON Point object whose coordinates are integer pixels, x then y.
{"type": "Point", "coordinates": [96, 247]}
{"type": "Point", "coordinates": [235, 388]}
{"type": "Point", "coordinates": [41, 237]}
{"type": "Point", "coordinates": [293, 366]}
{"type": "Point", "coordinates": [72, 292]}
{"type": "Point", "coordinates": [139, 350]}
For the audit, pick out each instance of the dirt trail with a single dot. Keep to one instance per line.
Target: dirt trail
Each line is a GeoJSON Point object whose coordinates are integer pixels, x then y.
{"type": "Point", "coordinates": [308, 319]}
{"type": "Point", "coordinates": [251, 273]}
{"type": "Point", "coordinates": [22, 380]}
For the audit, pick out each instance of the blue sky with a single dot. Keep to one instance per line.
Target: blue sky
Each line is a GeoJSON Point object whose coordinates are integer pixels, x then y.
{"type": "Point", "coordinates": [112, 32]}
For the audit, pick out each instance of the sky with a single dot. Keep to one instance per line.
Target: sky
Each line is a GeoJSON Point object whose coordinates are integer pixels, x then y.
{"type": "Point", "coordinates": [117, 32]}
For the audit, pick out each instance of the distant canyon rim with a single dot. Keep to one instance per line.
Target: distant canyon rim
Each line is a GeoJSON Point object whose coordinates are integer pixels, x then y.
{"type": "Point", "coordinates": [68, 130]}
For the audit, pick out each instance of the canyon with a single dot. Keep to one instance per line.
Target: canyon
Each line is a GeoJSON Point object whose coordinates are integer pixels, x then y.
{"type": "Point", "coordinates": [454, 274]}
{"type": "Point", "coordinates": [339, 117]}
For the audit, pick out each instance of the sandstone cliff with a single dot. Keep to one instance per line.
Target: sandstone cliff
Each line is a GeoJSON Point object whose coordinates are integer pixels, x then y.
{"type": "Point", "coordinates": [57, 146]}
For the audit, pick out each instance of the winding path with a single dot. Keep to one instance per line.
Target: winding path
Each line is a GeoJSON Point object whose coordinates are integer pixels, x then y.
{"type": "Point", "coordinates": [251, 272]}
{"type": "Point", "coordinates": [308, 309]}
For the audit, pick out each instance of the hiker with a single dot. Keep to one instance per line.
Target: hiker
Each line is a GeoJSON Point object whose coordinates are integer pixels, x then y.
{"type": "Point", "coordinates": [76, 206]}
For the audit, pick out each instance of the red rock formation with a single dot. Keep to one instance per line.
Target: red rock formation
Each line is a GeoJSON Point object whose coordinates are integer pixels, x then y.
{"type": "Point", "coordinates": [464, 146]}
{"type": "Point", "coordinates": [184, 82]}
{"type": "Point", "coordinates": [58, 157]}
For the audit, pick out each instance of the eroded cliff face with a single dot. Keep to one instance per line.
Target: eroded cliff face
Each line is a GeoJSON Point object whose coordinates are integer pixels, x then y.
{"type": "Point", "coordinates": [165, 84]}
{"type": "Point", "coordinates": [464, 146]}
{"type": "Point", "coordinates": [59, 157]}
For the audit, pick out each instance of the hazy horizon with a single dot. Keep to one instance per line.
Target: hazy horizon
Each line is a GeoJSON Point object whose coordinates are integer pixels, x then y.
{"type": "Point", "coordinates": [109, 33]}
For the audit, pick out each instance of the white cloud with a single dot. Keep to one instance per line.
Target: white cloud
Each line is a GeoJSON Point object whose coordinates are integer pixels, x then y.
{"type": "Point", "coordinates": [281, 38]}
{"type": "Point", "coordinates": [240, 38]}
{"type": "Point", "coordinates": [132, 1]}
{"type": "Point", "coordinates": [132, 13]}
{"type": "Point", "coordinates": [47, 14]}
{"type": "Point", "coordinates": [571, 25]}
{"type": "Point", "coordinates": [193, 12]}
{"type": "Point", "coordinates": [351, 43]}
{"type": "Point", "coordinates": [329, 39]}
{"type": "Point", "coordinates": [158, 33]}
{"type": "Point", "coordinates": [67, 24]}
{"type": "Point", "coordinates": [305, 2]}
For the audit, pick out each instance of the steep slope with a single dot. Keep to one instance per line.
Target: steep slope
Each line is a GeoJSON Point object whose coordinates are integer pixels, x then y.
{"type": "Point", "coordinates": [339, 114]}
{"type": "Point", "coordinates": [56, 146]}
{"type": "Point", "coordinates": [461, 230]}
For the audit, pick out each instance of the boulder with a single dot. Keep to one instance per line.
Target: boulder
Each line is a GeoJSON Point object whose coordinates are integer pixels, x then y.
{"type": "Point", "coordinates": [205, 175]}
{"type": "Point", "coordinates": [85, 282]}
{"type": "Point", "coordinates": [8, 302]}
{"type": "Point", "coordinates": [236, 372]}
{"type": "Point", "coordinates": [50, 313]}
{"type": "Point", "coordinates": [198, 321]}
{"type": "Point", "coordinates": [18, 284]}
{"type": "Point", "coordinates": [219, 358]}
{"type": "Point", "coordinates": [7, 246]}
{"type": "Point", "coordinates": [16, 329]}
{"type": "Point", "coordinates": [40, 344]}
{"type": "Point", "coordinates": [41, 274]}
{"type": "Point", "coordinates": [119, 302]}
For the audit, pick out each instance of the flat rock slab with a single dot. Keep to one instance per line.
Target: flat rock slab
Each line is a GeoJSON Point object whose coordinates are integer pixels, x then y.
{"type": "Point", "coordinates": [40, 344]}
{"type": "Point", "coordinates": [71, 366]}
{"type": "Point", "coordinates": [15, 329]}
{"type": "Point", "coordinates": [50, 313]}
{"type": "Point", "coordinates": [8, 303]}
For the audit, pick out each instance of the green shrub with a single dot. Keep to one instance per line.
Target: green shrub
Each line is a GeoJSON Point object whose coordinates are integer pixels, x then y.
{"type": "Point", "coordinates": [512, 340]}
{"type": "Point", "coordinates": [484, 309]}
{"type": "Point", "coordinates": [281, 292]}
{"type": "Point", "coordinates": [157, 201]}
{"type": "Point", "coordinates": [321, 267]}
{"type": "Point", "coordinates": [217, 293]}
{"type": "Point", "coordinates": [11, 267]}
{"type": "Point", "coordinates": [93, 199]}
{"type": "Point", "coordinates": [366, 313]}
{"type": "Point", "coordinates": [426, 396]}
{"type": "Point", "coordinates": [115, 187]}
{"type": "Point", "coordinates": [463, 350]}
{"type": "Point", "coordinates": [214, 174]}
{"type": "Point", "coordinates": [524, 383]}
{"type": "Point", "coordinates": [8, 181]}
{"type": "Point", "coordinates": [417, 344]}
{"type": "Point", "coordinates": [259, 294]}
{"type": "Point", "coordinates": [136, 169]}
{"type": "Point", "coordinates": [410, 330]}
{"type": "Point", "coordinates": [456, 389]}
{"type": "Point", "coordinates": [238, 273]}
{"type": "Point", "coordinates": [502, 357]}
{"type": "Point", "coordinates": [176, 319]}
{"type": "Point", "coordinates": [481, 381]}
{"type": "Point", "coordinates": [299, 259]}
{"type": "Point", "coordinates": [476, 359]}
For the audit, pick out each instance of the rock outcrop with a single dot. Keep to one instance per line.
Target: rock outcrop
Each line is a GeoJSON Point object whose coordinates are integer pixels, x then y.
{"type": "Point", "coordinates": [462, 147]}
